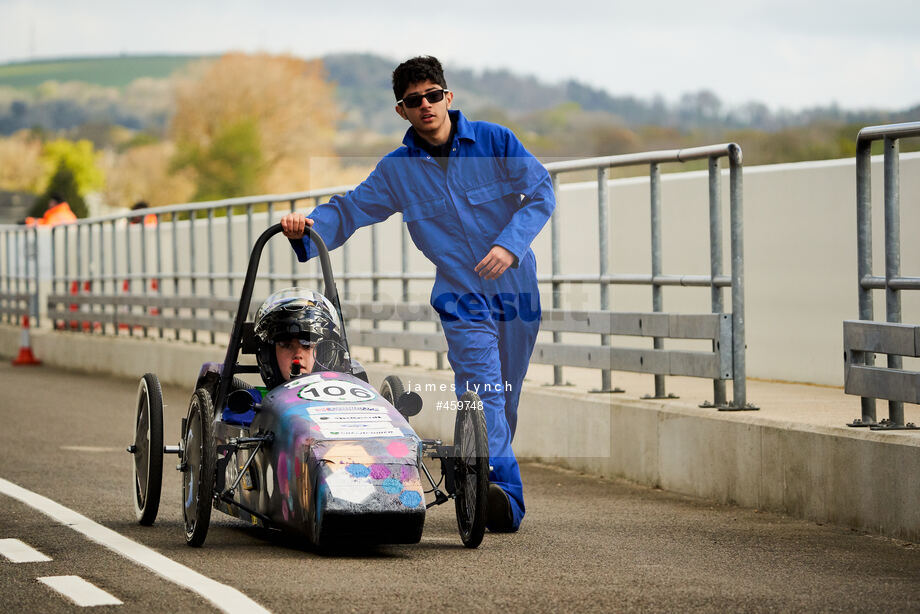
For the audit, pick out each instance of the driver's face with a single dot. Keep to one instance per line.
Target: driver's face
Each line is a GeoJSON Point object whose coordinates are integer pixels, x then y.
{"type": "Point", "coordinates": [290, 350]}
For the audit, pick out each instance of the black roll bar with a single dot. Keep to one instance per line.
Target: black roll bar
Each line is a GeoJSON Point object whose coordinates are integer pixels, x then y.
{"type": "Point", "coordinates": [233, 348]}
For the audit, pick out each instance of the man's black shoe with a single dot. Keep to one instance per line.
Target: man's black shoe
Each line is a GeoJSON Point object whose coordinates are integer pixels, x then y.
{"type": "Point", "coordinates": [499, 518]}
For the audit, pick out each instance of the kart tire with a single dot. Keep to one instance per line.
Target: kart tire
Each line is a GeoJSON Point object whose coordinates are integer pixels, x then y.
{"type": "Point", "coordinates": [391, 389]}
{"type": "Point", "coordinates": [148, 449]}
{"type": "Point", "coordinates": [198, 462]}
{"type": "Point", "coordinates": [471, 469]}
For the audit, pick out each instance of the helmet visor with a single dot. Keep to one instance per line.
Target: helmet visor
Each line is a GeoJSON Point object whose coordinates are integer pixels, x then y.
{"type": "Point", "coordinates": [331, 355]}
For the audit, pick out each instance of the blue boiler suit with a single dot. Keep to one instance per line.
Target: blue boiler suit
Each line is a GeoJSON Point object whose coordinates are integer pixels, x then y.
{"type": "Point", "coordinates": [494, 192]}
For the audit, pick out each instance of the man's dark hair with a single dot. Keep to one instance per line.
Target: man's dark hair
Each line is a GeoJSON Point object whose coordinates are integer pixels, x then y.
{"type": "Point", "coordinates": [55, 197]}
{"type": "Point", "coordinates": [416, 70]}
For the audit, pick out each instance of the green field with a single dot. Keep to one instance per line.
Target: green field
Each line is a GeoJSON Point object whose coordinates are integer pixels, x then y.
{"type": "Point", "coordinates": [104, 71]}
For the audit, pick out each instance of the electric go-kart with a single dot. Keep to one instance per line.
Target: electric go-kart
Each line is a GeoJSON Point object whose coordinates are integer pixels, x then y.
{"type": "Point", "coordinates": [324, 455]}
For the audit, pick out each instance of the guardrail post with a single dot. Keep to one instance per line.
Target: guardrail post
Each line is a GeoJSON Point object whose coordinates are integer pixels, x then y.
{"type": "Point", "coordinates": [191, 265]}
{"type": "Point", "coordinates": [293, 208]}
{"type": "Point", "coordinates": [657, 299]}
{"type": "Point", "coordinates": [67, 280]}
{"type": "Point", "coordinates": [271, 255]}
{"type": "Point", "coordinates": [229, 211]}
{"type": "Point", "coordinates": [736, 198]}
{"type": "Point", "coordinates": [102, 274]}
{"type": "Point", "coordinates": [556, 268]}
{"type": "Point", "coordinates": [35, 272]}
{"type": "Point", "coordinates": [27, 272]}
{"type": "Point", "coordinates": [864, 262]}
{"type": "Point", "coordinates": [715, 265]}
{"type": "Point", "coordinates": [144, 272]}
{"type": "Point", "coordinates": [6, 266]}
{"type": "Point", "coordinates": [114, 243]}
{"type": "Point", "coordinates": [404, 267]}
{"type": "Point", "coordinates": [893, 259]}
{"type": "Point", "coordinates": [271, 267]}
{"type": "Point", "coordinates": [603, 207]}
{"type": "Point", "coordinates": [375, 283]}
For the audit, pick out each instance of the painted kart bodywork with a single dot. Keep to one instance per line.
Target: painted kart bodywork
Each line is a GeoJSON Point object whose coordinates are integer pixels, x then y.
{"type": "Point", "coordinates": [343, 464]}
{"type": "Point", "coordinates": [324, 455]}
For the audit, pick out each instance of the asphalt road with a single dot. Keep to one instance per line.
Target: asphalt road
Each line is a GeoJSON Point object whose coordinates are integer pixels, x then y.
{"type": "Point", "coordinates": [586, 544]}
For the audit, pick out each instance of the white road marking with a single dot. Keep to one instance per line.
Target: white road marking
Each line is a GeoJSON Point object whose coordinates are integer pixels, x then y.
{"type": "Point", "coordinates": [226, 598]}
{"type": "Point", "coordinates": [84, 594]}
{"type": "Point", "coordinates": [20, 552]}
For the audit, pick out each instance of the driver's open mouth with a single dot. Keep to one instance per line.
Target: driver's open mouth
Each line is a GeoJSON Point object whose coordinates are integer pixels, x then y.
{"type": "Point", "coordinates": [428, 116]}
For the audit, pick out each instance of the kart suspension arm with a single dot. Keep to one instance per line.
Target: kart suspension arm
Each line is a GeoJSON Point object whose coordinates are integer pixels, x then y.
{"type": "Point", "coordinates": [241, 443]}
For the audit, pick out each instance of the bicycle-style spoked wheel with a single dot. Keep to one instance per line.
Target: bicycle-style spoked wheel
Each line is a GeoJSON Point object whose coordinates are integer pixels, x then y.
{"type": "Point", "coordinates": [471, 469]}
{"type": "Point", "coordinates": [148, 449]}
{"type": "Point", "coordinates": [198, 461]}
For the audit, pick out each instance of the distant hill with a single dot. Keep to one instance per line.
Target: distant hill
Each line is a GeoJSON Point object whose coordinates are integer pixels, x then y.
{"type": "Point", "coordinates": [116, 71]}
{"type": "Point", "coordinates": [142, 101]}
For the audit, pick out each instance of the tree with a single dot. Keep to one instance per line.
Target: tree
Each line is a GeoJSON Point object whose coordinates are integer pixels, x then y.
{"type": "Point", "coordinates": [64, 184]}
{"type": "Point", "coordinates": [79, 157]}
{"type": "Point", "coordinates": [254, 123]}
{"type": "Point", "coordinates": [143, 172]}
{"type": "Point", "coordinates": [21, 167]}
{"type": "Point", "coordinates": [72, 172]}
{"type": "Point", "coordinates": [230, 165]}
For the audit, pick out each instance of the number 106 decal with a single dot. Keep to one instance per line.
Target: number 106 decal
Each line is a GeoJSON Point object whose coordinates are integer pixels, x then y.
{"type": "Point", "coordinates": [340, 392]}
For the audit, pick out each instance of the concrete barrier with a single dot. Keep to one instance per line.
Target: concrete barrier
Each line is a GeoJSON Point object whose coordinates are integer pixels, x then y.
{"type": "Point", "coordinates": [782, 459]}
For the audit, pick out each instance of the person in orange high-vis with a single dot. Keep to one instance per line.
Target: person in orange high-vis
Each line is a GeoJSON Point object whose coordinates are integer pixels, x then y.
{"type": "Point", "coordinates": [58, 212]}
{"type": "Point", "coordinates": [149, 220]}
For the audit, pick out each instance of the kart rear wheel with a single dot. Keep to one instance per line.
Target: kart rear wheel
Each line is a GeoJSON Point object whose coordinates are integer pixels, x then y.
{"type": "Point", "coordinates": [148, 449]}
{"type": "Point", "coordinates": [471, 469]}
{"type": "Point", "coordinates": [391, 389]}
{"type": "Point", "coordinates": [198, 460]}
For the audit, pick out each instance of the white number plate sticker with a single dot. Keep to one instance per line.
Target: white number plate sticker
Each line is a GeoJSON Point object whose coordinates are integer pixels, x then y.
{"type": "Point", "coordinates": [335, 392]}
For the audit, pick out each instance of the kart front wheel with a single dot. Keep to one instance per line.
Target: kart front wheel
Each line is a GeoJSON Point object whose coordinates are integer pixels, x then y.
{"type": "Point", "coordinates": [471, 469]}
{"type": "Point", "coordinates": [148, 449]}
{"type": "Point", "coordinates": [198, 460]}
{"type": "Point", "coordinates": [391, 389]}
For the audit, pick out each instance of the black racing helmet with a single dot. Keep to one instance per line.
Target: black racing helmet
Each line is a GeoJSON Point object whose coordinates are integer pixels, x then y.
{"type": "Point", "coordinates": [303, 314]}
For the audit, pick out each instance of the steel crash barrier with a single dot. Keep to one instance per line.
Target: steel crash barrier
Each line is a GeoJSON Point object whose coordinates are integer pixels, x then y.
{"type": "Point", "coordinates": [864, 337]}
{"type": "Point", "coordinates": [169, 276]}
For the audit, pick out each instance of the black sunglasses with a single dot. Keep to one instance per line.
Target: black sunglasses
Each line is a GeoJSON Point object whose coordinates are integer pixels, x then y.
{"type": "Point", "coordinates": [413, 101]}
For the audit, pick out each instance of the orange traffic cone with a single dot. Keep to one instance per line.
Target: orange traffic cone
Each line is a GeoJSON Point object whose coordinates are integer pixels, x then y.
{"type": "Point", "coordinates": [25, 357]}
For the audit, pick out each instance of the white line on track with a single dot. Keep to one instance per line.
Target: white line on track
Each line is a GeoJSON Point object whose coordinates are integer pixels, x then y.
{"type": "Point", "coordinates": [17, 551]}
{"type": "Point", "coordinates": [84, 594]}
{"type": "Point", "coordinates": [226, 598]}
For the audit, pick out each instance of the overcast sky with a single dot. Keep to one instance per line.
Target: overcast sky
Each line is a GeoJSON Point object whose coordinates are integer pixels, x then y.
{"type": "Point", "coordinates": [785, 53]}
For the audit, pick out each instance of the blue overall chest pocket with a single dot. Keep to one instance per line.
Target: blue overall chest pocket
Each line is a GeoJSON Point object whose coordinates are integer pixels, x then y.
{"type": "Point", "coordinates": [489, 192]}
{"type": "Point", "coordinates": [424, 209]}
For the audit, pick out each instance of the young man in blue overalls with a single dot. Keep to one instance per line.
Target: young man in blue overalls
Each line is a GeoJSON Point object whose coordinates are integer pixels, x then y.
{"type": "Point", "coordinates": [473, 199]}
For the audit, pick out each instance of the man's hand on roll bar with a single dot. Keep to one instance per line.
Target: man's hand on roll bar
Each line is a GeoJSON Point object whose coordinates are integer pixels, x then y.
{"type": "Point", "coordinates": [294, 225]}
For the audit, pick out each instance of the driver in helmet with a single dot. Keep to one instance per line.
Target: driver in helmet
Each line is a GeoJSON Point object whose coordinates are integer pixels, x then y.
{"type": "Point", "coordinates": [289, 325]}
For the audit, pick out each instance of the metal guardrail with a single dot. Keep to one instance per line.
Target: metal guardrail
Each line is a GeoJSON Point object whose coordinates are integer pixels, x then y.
{"type": "Point", "coordinates": [716, 364]}
{"type": "Point", "coordinates": [19, 275]}
{"type": "Point", "coordinates": [716, 280]}
{"type": "Point", "coordinates": [135, 279]}
{"type": "Point", "coordinates": [864, 337]}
